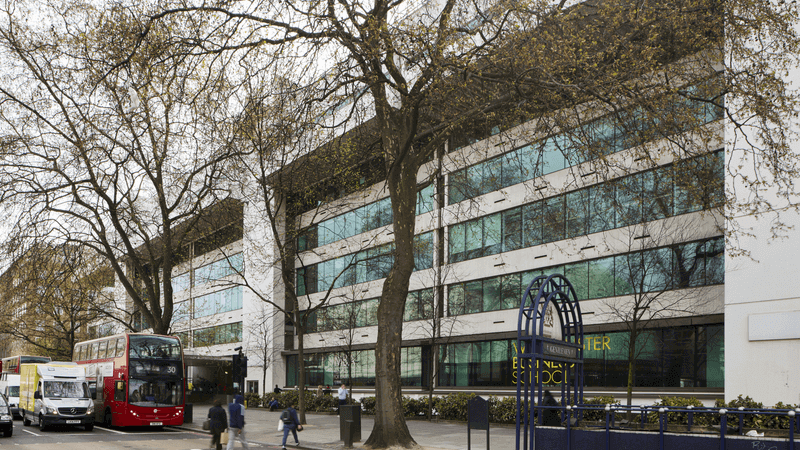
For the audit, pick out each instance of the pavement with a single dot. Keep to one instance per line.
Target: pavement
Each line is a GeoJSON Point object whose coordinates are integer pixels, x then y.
{"type": "Point", "coordinates": [322, 431]}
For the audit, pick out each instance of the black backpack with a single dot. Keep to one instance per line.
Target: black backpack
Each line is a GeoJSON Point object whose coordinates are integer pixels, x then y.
{"type": "Point", "coordinates": [286, 417]}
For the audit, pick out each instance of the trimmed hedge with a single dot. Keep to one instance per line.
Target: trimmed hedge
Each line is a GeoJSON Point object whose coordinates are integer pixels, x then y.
{"type": "Point", "coordinates": [504, 410]}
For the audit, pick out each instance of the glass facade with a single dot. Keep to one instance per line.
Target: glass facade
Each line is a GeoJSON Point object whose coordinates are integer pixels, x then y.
{"type": "Point", "coordinates": [364, 313]}
{"type": "Point", "coordinates": [220, 334]}
{"type": "Point", "coordinates": [219, 269]}
{"type": "Point", "coordinates": [218, 302]}
{"type": "Point", "coordinates": [359, 220]}
{"type": "Point", "coordinates": [626, 201]}
{"type": "Point", "coordinates": [600, 137]}
{"type": "Point", "coordinates": [332, 368]}
{"type": "Point", "coordinates": [367, 265]}
{"type": "Point", "coordinates": [665, 357]}
{"type": "Point", "coordinates": [690, 264]}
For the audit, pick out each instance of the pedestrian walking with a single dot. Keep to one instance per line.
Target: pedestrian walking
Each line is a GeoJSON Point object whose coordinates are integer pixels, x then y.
{"type": "Point", "coordinates": [290, 423]}
{"type": "Point", "coordinates": [236, 411]}
{"type": "Point", "coordinates": [343, 392]}
{"type": "Point", "coordinates": [218, 422]}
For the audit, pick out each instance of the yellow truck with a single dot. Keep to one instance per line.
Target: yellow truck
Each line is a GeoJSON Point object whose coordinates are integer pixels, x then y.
{"type": "Point", "coordinates": [55, 393]}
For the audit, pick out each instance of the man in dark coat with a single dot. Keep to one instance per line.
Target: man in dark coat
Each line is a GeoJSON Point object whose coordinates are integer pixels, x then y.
{"type": "Point", "coordinates": [219, 422]}
{"type": "Point", "coordinates": [292, 423]}
{"type": "Point", "coordinates": [552, 417]}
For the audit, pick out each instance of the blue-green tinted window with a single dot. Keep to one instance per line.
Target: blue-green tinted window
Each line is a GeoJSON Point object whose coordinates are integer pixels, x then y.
{"type": "Point", "coordinates": [626, 201]}
{"type": "Point", "coordinates": [601, 137]}
{"type": "Point", "coordinates": [369, 217]}
{"type": "Point", "coordinates": [368, 265]}
{"type": "Point", "coordinates": [487, 363]}
{"type": "Point", "coordinates": [677, 357]}
{"type": "Point", "coordinates": [356, 368]}
{"type": "Point", "coordinates": [679, 266]}
{"type": "Point", "coordinates": [221, 334]}
{"type": "Point", "coordinates": [181, 282]}
{"type": "Point", "coordinates": [218, 302]}
{"type": "Point", "coordinates": [219, 269]}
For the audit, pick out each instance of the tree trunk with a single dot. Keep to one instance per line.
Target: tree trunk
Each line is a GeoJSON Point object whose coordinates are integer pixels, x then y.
{"type": "Point", "coordinates": [631, 370]}
{"type": "Point", "coordinates": [390, 426]}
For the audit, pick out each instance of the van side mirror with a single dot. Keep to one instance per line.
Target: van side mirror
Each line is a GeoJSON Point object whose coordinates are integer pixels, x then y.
{"type": "Point", "coordinates": [37, 395]}
{"type": "Point", "coordinates": [94, 395]}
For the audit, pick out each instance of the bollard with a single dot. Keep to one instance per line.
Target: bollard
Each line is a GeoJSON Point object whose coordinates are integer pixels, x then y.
{"type": "Point", "coordinates": [347, 430]}
{"type": "Point", "coordinates": [608, 434]}
{"type": "Point", "coordinates": [661, 427]}
{"type": "Point", "coordinates": [723, 427]}
{"type": "Point", "coordinates": [690, 419]}
{"type": "Point", "coordinates": [792, 420]}
{"type": "Point", "coordinates": [741, 421]}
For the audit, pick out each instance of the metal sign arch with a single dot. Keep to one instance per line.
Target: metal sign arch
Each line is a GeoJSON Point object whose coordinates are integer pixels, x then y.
{"type": "Point", "coordinates": [549, 328]}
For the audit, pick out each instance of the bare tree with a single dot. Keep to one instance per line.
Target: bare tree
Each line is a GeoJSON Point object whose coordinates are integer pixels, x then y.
{"type": "Point", "coordinates": [53, 294]}
{"type": "Point", "coordinates": [112, 162]}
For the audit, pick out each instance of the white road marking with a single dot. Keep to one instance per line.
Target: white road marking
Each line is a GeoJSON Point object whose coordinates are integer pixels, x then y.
{"type": "Point", "coordinates": [31, 432]}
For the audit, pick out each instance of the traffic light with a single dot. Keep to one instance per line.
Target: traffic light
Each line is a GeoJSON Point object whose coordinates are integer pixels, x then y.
{"type": "Point", "coordinates": [237, 368]}
{"type": "Point", "coordinates": [243, 366]}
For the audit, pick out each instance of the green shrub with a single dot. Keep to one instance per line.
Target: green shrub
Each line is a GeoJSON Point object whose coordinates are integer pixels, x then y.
{"type": "Point", "coordinates": [598, 415]}
{"type": "Point", "coordinates": [502, 410]}
{"type": "Point", "coordinates": [681, 418]}
{"type": "Point", "coordinates": [368, 405]}
{"type": "Point", "coordinates": [414, 407]}
{"type": "Point", "coordinates": [453, 406]}
{"type": "Point", "coordinates": [252, 400]}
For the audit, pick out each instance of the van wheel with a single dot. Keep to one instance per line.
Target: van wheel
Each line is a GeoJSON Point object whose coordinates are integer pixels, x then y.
{"type": "Point", "coordinates": [88, 427]}
{"type": "Point", "coordinates": [42, 426]}
{"type": "Point", "coordinates": [26, 421]}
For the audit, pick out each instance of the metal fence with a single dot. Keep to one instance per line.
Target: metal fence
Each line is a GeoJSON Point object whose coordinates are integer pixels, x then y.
{"type": "Point", "coordinates": [674, 427]}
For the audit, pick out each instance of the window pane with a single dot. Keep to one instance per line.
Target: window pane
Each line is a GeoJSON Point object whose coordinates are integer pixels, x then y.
{"type": "Point", "coordinates": [455, 300]}
{"type": "Point", "coordinates": [578, 276]}
{"type": "Point", "coordinates": [492, 237]}
{"type": "Point", "coordinates": [657, 194]}
{"type": "Point", "coordinates": [474, 239]}
{"type": "Point", "coordinates": [629, 209]}
{"type": "Point", "coordinates": [625, 268]}
{"type": "Point", "coordinates": [657, 269]}
{"type": "Point", "coordinates": [512, 229]}
{"type": "Point", "coordinates": [601, 208]}
{"type": "Point", "coordinates": [512, 291]}
{"type": "Point", "coordinates": [473, 297]}
{"type": "Point", "coordinates": [577, 213]}
{"type": "Point", "coordinates": [552, 219]}
{"type": "Point", "coordinates": [457, 242]}
{"type": "Point", "coordinates": [532, 224]}
{"type": "Point", "coordinates": [601, 278]}
{"type": "Point", "coordinates": [492, 295]}
{"type": "Point", "coordinates": [552, 156]}
{"type": "Point", "coordinates": [457, 187]}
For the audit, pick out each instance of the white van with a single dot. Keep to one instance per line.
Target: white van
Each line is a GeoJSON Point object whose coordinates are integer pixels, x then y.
{"type": "Point", "coordinates": [9, 386]}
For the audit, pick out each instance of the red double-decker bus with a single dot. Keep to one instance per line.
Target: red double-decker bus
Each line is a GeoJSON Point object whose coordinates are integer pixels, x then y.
{"type": "Point", "coordinates": [135, 379]}
{"type": "Point", "coordinates": [12, 363]}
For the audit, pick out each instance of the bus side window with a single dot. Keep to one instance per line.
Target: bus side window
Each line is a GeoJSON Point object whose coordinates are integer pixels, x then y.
{"type": "Point", "coordinates": [119, 391]}
{"type": "Point", "coordinates": [121, 346]}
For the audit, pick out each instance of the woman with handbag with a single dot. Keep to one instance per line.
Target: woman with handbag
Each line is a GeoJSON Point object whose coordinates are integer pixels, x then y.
{"type": "Point", "coordinates": [217, 423]}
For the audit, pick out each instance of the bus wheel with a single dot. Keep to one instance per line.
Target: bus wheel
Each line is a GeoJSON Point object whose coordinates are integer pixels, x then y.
{"type": "Point", "coordinates": [42, 426]}
{"type": "Point", "coordinates": [107, 418]}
